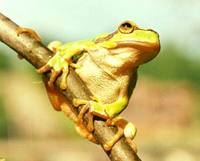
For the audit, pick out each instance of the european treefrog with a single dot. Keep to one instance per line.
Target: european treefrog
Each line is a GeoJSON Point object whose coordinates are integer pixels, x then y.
{"type": "Point", "coordinates": [108, 67]}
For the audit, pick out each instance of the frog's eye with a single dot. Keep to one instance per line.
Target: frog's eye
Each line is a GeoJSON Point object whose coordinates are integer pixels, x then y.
{"type": "Point", "coordinates": [127, 27]}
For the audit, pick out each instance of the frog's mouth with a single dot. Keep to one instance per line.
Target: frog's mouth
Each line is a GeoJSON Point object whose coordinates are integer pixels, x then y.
{"type": "Point", "coordinates": [146, 47]}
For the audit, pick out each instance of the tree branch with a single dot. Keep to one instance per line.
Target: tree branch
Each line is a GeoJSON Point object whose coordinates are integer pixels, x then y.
{"type": "Point", "coordinates": [38, 55]}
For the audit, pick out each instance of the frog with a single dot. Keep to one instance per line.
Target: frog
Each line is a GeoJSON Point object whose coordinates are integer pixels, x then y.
{"type": "Point", "coordinates": [108, 66]}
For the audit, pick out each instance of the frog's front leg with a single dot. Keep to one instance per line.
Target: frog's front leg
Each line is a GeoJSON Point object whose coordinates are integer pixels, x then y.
{"type": "Point", "coordinates": [80, 127]}
{"type": "Point", "coordinates": [58, 66]}
{"type": "Point", "coordinates": [60, 62]}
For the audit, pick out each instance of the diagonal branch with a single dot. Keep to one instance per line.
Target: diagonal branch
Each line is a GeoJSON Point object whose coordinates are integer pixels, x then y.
{"type": "Point", "coordinates": [38, 55]}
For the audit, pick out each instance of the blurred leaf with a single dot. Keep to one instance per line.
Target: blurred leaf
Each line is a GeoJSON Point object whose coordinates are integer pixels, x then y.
{"type": "Point", "coordinates": [3, 121]}
{"type": "Point", "coordinates": [4, 61]}
{"type": "Point", "coordinates": [172, 64]}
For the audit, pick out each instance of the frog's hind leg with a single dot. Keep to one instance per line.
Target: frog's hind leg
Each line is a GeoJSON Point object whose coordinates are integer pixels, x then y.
{"type": "Point", "coordinates": [61, 104]}
{"type": "Point", "coordinates": [83, 131]}
{"type": "Point", "coordinates": [80, 128]}
{"type": "Point", "coordinates": [124, 128]}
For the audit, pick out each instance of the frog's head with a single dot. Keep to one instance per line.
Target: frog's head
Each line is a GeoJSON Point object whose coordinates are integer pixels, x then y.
{"type": "Point", "coordinates": [130, 41]}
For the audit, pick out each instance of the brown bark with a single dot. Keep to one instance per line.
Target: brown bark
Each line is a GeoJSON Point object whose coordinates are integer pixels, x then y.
{"type": "Point", "coordinates": [38, 55]}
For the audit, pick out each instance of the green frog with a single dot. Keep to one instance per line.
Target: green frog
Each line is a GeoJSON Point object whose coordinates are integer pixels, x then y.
{"type": "Point", "coordinates": [108, 67]}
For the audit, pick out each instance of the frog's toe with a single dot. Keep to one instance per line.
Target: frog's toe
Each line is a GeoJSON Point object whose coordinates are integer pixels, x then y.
{"type": "Point", "coordinates": [44, 69]}
{"type": "Point", "coordinates": [33, 34]}
{"type": "Point", "coordinates": [77, 102]}
{"type": "Point", "coordinates": [109, 144]}
{"type": "Point", "coordinates": [130, 131]}
{"type": "Point", "coordinates": [63, 83]}
{"type": "Point", "coordinates": [83, 110]}
{"type": "Point", "coordinates": [132, 144]}
{"type": "Point", "coordinates": [125, 128]}
{"type": "Point", "coordinates": [90, 125]}
{"type": "Point", "coordinates": [107, 147]}
{"type": "Point", "coordinates": [54, 46]}
{"type": "Point", "coordinates": [53, 77]}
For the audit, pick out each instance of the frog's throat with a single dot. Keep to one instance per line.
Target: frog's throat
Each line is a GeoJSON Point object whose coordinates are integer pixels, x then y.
{"type": "Point", "coordinates": [109, 110]}
{"type": "Point", "coordinates": [142, 46]}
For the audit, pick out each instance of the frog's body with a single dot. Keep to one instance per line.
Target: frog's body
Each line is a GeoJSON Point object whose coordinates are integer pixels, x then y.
{"type": "Point", "coordinates": [105, 65]}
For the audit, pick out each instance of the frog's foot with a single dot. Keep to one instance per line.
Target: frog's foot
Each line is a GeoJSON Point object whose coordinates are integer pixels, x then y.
{"type": "Point", "coordinates": [60, 69]}
{"type": "Point", "coordinates": [80, 128]}
{"type": "Point", "coordinates": [84, 111]}
{"type": "Point", "coordinates": [54, 74]}
{"type": "Point", "coordinates": [58, 65]}
{"type": "Point", "coordinates": [124, 129]}
{"type": "Point", "coordinates": [33, 34]}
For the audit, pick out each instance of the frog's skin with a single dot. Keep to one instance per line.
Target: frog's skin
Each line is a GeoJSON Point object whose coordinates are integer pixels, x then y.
{"type": "Point", "coordinates": [108, 67]}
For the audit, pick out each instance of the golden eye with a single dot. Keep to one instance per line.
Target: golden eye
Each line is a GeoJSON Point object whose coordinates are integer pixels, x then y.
{"type": "Point", "coordinates": [127, 27]}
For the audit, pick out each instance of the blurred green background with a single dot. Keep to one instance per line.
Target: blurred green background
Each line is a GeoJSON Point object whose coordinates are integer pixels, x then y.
{"type": "Point", "coordinates": [165, 106]}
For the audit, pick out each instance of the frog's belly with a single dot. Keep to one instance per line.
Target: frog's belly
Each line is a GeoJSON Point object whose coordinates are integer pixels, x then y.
{"type": "Point", "coordinates": [100, 83]}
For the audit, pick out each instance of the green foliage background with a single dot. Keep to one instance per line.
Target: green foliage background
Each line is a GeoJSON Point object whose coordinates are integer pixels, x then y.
{"type": "Point", "coordinates": [174, 64]}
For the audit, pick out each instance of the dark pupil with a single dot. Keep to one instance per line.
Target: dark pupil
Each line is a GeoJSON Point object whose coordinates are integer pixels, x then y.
{"type": "Point", "coordinates": [127, 25]}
